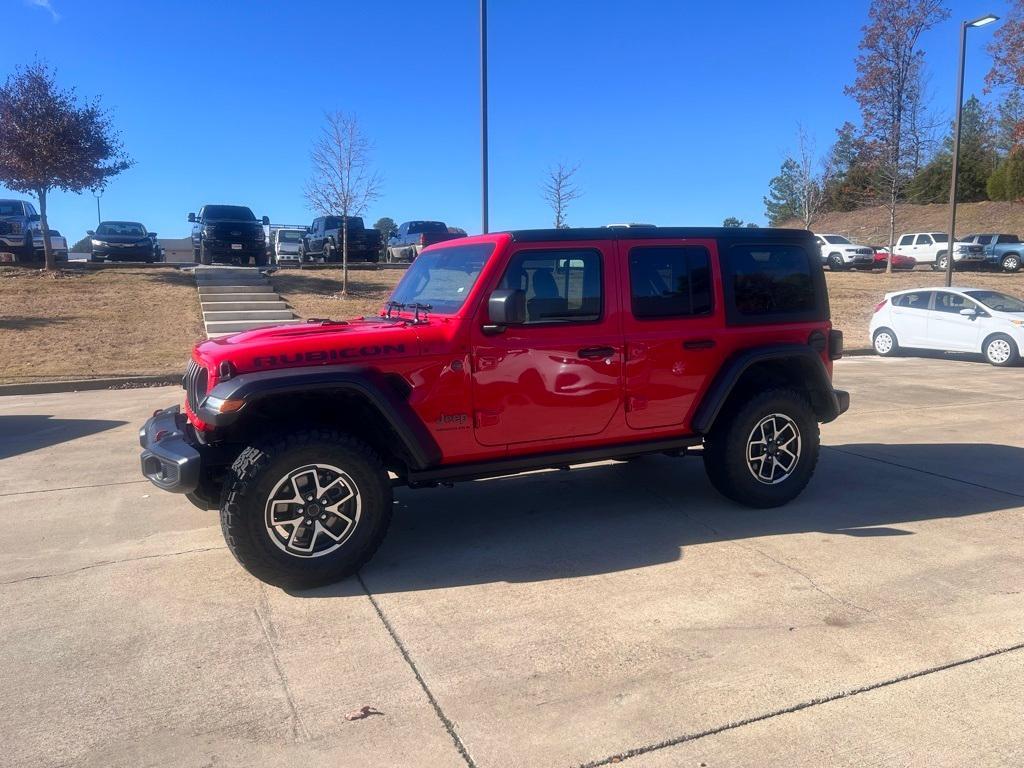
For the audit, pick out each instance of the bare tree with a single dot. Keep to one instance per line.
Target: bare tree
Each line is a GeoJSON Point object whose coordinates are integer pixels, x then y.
{"type": "Point", "coordinates": [889, 69]}
{"type": "Point", "coordinates": [811, 178]}
{"type": "Point", "coordinates": [559, 190]}
{"type": "Point", "coordinates": [48, 141]}
{"type": "Point", "coordinates": [342, 183]}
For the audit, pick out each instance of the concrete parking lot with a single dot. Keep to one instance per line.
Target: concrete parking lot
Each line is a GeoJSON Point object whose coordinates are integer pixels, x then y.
{"type": "Point", "coordinates": [621, 612]}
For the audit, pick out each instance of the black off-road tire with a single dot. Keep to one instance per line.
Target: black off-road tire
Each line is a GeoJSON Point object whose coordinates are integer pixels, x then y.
{"type": "Point", "coordinates": [204, 255]}
{"type": "Point", "coordinates": [261, 466]}
{"type": "Point", "coordinates": [726, 449]}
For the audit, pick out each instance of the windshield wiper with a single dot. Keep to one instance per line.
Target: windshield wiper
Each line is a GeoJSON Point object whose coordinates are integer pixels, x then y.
{"type": "Point", "coordinates": [391, 306]}
{"type": "Point", "coordinates": [417, 308]}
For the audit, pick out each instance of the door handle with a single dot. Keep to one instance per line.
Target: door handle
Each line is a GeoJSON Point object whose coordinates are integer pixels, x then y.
{"type": "Point", "coordinates": [596, 353]}
{"type": "Point", "coordinates": [699, 344]}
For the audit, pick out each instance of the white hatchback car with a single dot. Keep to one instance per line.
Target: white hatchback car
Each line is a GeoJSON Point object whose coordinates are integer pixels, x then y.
{"type": "Point", "coordinates": [951, 320]}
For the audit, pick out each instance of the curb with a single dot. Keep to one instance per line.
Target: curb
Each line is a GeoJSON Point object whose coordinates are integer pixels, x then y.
{"type": "Point", "coordinates": [82, 385]}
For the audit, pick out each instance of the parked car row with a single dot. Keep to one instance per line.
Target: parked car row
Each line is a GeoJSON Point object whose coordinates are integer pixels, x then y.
{"type": "Point", "coordinates": [998, 251]}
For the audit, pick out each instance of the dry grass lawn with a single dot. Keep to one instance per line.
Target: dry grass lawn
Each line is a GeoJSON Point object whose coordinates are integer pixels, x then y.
{"type": "Point", "coordinates": [95, 323]}
{"type": "Point", "coordinates": [853, 295]}
{"type": "Point", "coordinates": [317, 292]}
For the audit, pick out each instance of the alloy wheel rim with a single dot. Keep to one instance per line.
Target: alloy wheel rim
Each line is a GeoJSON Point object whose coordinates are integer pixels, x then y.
{"type": "Point", "coordinates": [999, 351]}
{"type": "Point", "coordinates": [313, 510]}
{"type": "Point", "coordinates": [773, 449]}
{"type": "Point", "coordinates": [883, 343]}
{"type": "Point", "coordinates": [1011, 264]}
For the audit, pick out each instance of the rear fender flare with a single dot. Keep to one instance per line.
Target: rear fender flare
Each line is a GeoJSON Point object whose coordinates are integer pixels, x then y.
{"type": "Point", "coordinates": [812, 373]}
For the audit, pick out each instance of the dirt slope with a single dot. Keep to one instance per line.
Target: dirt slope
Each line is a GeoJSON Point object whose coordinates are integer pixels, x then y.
{"type": "Point", "coordinates": [870, 226]}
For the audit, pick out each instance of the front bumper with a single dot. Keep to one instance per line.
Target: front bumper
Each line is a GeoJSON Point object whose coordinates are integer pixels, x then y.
{"type": "Point", "coordinates": [116, 252]}
{"type": "Point", "coordinates": [169, 459]}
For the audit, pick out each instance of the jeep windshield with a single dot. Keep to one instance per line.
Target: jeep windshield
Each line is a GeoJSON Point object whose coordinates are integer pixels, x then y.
{"type": "Point", "coordinates": [442, 278]}
{"type": "Point", "coordinates": [228, 213]}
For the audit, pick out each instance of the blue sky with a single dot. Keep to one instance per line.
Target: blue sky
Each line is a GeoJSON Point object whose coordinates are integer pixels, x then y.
{"type": "Point", "coordinates": [677, 112]}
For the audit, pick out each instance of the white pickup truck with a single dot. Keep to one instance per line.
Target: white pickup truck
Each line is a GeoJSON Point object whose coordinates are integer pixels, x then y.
{"type": "Point", "coordinates": [933, 248]}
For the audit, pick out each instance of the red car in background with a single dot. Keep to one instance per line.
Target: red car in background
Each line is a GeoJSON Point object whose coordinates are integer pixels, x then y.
{"type": "Point", "coordinates": [898, 261]}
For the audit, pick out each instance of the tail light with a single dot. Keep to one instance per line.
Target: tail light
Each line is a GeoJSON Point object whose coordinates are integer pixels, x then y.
{"type": "Point", "coordinates": [880, 304]}
{"type": "Point", "coordinates": [835, 344]}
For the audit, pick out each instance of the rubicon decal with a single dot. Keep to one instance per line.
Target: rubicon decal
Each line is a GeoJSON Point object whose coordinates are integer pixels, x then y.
{"type": "Point", "coordinates": [327, 355]}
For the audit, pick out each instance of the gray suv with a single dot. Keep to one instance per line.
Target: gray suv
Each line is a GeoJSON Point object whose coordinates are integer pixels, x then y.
{"type": "Point", "coordinates": [18, 222]}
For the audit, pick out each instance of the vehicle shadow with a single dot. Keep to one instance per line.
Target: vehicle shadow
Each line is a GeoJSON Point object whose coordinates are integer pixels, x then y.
{"type": "Point", "coordinates": [615, 517]}
{"type": "Point", "coordinates": [956, 357]}
{"type": "Point", "coordinates": [23, 434]}
{"type": "Point", "coordinates": [25, 323]}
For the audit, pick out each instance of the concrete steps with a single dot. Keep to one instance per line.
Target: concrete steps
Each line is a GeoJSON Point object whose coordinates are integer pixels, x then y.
{"type": "Point", "coordinates": [238, 299]}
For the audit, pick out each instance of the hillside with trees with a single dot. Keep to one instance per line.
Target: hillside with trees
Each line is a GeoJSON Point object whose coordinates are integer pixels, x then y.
{"type": "Point", "coordinates": [890, 171]}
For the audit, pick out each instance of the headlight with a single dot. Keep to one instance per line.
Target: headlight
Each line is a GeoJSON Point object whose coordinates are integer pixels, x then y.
{"type": "Point", "coordinates": [99, 244]}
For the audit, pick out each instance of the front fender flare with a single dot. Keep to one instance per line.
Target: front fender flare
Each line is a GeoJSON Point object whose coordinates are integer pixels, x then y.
{"type": "Point", "coordinates": [368, 383]}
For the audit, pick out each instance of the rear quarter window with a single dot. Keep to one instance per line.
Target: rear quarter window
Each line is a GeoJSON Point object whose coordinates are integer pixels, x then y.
{"type": "Point", "coordinates": [774, 282]}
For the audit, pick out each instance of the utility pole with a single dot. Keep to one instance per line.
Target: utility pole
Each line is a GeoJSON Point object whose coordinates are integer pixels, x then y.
{"type": "Point", "coordinates": [979, 22]}
{"type": "Point", "coordinates": [483, 109]}
{"type": "Point", "coordinates": [98, 193]}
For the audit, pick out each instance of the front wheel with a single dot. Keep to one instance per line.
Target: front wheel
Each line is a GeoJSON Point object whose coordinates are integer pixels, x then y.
{"type": "Point", "coordinates": [306, 510]}
{"type": "Point", "coordinates": [835, 262]}
{"type": "Point", "coordinates": [204, 255]}
{"type": "Point", "coordinates": [1011, 262]}
{"type": "Point", "coordinates": [1001, 350]}
{"type": "Point", "coordinates": [942, 263]}
{"type": "Point", "coordinates": [762, 453]}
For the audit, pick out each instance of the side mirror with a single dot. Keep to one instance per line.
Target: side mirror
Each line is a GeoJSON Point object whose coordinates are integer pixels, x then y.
{"type": "Point", "coordinates": [266, 221]}
{"type": "Point", "coordinates": [968, 312]}
{"type": "Point", "coordinates": [191, 218]}
{"type": "Point", "coordinates": [153, 235]}
{"type": "Point", "coordinates": [505, 307]}
{"type": "Point", "coordinates": [89, 232]}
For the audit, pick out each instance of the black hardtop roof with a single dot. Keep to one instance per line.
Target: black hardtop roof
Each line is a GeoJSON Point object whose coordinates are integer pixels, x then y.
{"type": "Point", "coordinates": [743, 234]}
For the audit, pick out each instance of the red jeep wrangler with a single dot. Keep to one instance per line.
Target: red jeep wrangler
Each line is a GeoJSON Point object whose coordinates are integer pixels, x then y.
{"type": "Point", "coordinates": [503, 353]}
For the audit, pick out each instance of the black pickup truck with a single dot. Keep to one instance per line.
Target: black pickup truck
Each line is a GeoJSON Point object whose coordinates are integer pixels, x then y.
{"type": "Point", "coordinates": [228, 233]}
{"type": "Point", "coordinates": [325, 238]}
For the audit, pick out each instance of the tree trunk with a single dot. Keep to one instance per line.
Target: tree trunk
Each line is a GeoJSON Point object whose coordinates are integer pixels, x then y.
{"type": "Point", "coordinates": [51, 262]}
{"type": "Point", "coordinates": [892, 239]}
{"type": "Point", "coordinates": [344, 254]}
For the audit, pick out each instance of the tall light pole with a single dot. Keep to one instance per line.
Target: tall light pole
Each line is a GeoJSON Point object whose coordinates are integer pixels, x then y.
{"type": "Point", "coordinates": [98, 193]}
{"type": "Point", "coordinates": [979, 22]}
{"type": "Point", "coordinates": [483, 108]}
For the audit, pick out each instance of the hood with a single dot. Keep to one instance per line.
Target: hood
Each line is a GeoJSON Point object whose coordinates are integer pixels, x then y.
{"type": "Point", "coordinates": [120, 238]}
{"type": "Point", "coordinates": [317, 342]}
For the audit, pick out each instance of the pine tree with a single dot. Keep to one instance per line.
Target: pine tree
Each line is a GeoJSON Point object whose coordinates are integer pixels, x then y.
{"type": "Point", "coordinates": [783, 200]}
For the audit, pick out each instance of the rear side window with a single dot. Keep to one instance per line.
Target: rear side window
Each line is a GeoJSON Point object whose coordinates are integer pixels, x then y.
{"type": "Point", "coordinates": [561, 286]}
{"type": "Point", "coordinates": [669, 281]}
{"type": "Point", "coordinates": [771, 281]}
{"type": "Point", "coordinates": [915, 300]}
{"type": "Point", "coordinates": [924, 240]}
{"type": "Point", "coordinates": [1008, 239]}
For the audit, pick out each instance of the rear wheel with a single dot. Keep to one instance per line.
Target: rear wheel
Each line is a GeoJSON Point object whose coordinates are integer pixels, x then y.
{"type": "Point", "coordinates": [885, 343]}
{"type": "Point", "coordinates": [1001, 350]}
{"type": "Point", "coordinates": [1011, 262]}
{"type": "Point", "coordinates": [762, 452]}
{"type": "Point", "coordinates": [306, 510]}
